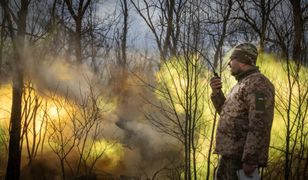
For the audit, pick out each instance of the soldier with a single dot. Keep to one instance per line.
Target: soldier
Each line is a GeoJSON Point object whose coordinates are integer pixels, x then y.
{"type": "Point", "coordinates": [246, 115]}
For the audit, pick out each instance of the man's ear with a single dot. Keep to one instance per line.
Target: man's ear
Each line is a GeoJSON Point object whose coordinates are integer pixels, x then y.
{"type": "Point", "coordinates": [243, 65]}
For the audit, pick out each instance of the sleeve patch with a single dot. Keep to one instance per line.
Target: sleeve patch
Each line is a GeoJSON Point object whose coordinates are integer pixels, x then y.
{"type": "Point", "coordinates": [260, 101]}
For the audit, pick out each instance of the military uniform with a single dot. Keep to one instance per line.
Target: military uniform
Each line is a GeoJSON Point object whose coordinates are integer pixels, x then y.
{"type": "Point", "coordinates": [246, 115]}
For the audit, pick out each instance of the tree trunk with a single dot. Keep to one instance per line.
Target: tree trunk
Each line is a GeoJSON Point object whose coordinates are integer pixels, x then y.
{"type": "Point", "coordinates": [2, 38]}
{"type": "Point", "coordinates": [124, 34]}
{"type": "Point", "coordinates": [298, 30]}
{"type": "Point", "coordinates": [211, 147]}
{"type": "Point", "coordinates": [78, 52]}
{"type": "Point", "coordinates": [78, 16]}
{"type": "Point", "coordinates": [13, 167]}
{"type": "Point", "coordinates": [218, 51]}
{"type": "Point", "coordinates": [170, 4]}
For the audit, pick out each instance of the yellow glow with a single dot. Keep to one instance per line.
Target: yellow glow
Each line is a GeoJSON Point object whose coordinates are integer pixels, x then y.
{"type": "Point", "coordinates": [5, 104]}
{"type": "Point", "coordinates": [113, 151]}
{"type": "Point", "coordinates": [175, 76]}
{"type": "Point", "coordinates": [53, 111]}
{"type": "Point", "coordinates": [58, 110]}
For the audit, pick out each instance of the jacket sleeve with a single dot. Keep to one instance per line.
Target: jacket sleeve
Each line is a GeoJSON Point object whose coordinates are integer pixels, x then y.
{"type": "Point", "coordinates": [218, 100]}
{"type": "Point", "coordinates": [260, 103]}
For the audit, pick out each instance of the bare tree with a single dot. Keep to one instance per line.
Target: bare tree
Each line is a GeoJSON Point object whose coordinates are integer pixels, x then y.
{"type": "Point", "coordinates": [60, 140]}
{"type": "Point", "coordinates": [293, 108]}
{"type": "Point", "coordinates": [298, 23]}
{"type": "Point", "coordinates": [2, 38]}
{"type": "Point", "coordinates": [18, 39]}
{"type": "Point", "coordinates": [34, 124]}
{"type": "Point", "coordinates": [4, 139]}
{"type": "Point", "coordinates": [124, 34]}
{"type": "Point", "coordinates": [181, 90]}
{"type": "Point", "coordinates": [163, 19]}
{"type": "Point", "coordinates": [97, 41]}
{"type": "Point", "coordinates": [293, 111]}
{"type": "Point", "coordinates": [180, 110]}
{"type": "Point", "coordinates": [77, 11]}
{"type": "Point", "coordinates": [77, 130]}
{"type": "Point", "coordinates": [247, 14]}
{"type": "Point", "coordinates": [119, 77]}
{"type": "Point", "coordinates": [220, 19]}
{"type": "Point", "coordinates": [88, 127]}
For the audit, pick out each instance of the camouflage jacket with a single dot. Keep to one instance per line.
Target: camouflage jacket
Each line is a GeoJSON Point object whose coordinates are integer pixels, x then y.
{"type": "Point", "coordinates": [246, 116]}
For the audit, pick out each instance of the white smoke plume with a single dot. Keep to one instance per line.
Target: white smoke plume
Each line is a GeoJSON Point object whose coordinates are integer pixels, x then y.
{"type": "Point", "coordinates": [61, 77]}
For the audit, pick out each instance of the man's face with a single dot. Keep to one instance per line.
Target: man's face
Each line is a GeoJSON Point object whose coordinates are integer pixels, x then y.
{"type": "Point", "coordinates": [235, 67]}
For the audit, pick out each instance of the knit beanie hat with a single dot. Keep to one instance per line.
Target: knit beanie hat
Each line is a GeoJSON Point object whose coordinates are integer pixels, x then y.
{"type": "Point", "coordinates": [246, 53]}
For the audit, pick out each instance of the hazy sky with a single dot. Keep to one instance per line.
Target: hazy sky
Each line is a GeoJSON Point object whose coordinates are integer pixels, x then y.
{"type": "Point", "coordinates": [139, 35]}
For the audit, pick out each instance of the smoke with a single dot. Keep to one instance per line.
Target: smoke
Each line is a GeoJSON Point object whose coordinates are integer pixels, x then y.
{"type": "Point", "coordinates": [63, 78]}
{"type": "Point", "coordinates": [145, 150]}
{"type": "Point", "coordinates": [56, 74]}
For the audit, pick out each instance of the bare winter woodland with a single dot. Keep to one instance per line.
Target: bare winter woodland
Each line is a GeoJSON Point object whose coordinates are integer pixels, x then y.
{"type": "Point", "coordinates": [104, 89]}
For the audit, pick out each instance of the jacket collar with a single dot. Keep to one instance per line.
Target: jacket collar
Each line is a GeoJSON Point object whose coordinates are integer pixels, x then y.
{"type": "Point", "coordinates": [246, 73]}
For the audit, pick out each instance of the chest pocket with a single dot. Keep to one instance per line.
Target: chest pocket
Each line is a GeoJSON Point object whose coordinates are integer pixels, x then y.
{"type": "Point", "coordinates": [234, 104]}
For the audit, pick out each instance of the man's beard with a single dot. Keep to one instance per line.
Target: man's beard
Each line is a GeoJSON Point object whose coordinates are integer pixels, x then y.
{"type": "Point", "coordinates": [237, 72]}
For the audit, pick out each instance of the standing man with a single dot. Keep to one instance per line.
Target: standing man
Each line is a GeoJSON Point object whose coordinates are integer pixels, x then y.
{"type": "Point", "coordinates": [246, 116]}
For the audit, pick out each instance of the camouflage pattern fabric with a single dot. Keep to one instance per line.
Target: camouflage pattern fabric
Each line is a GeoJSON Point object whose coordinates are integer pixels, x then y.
{"type": "Point", "coordinates": [246, 116]}
{"type": "Point", "coordinates": [227, 168]}
{"type": "Point", "coordinates": [245, 53]}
